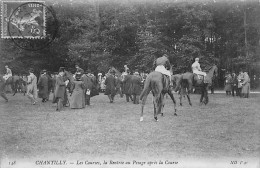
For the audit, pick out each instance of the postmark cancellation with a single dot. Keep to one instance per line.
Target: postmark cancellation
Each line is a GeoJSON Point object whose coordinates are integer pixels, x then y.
{"type": "Point", "coordinates": [23, 19]}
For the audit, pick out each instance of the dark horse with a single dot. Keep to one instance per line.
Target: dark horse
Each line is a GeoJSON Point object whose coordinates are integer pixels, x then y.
{"type": "Point", "coordinates": [182, 88]}
{"type": "Point", "coordinates": [154, 83]}
{"type": "Point", "coordinates": [192, 79]}
{"type": "Point", "coordinates": [15, 81]}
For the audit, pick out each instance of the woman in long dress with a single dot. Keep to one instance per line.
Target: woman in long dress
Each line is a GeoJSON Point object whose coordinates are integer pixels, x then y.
{"type": "Point", "coordinates": [77, 98]}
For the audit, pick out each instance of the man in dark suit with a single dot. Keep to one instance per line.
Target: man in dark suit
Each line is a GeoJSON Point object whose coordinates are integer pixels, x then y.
{"type": "Point", "coordinates": [43, 86]}
{"type": "Point", "coordinates": [60, 88]}
{"type": "Point", "coordinates": [110, 86]}
{"type": "Point", "coordinates": [234, 83]}
{"type": "Point", "coordinates": [87, 80]}
{"type": "Point", "coordinates": [126, 86]}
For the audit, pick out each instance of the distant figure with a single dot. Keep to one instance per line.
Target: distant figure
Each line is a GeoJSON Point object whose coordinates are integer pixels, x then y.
{"type": "Point", "coordinates": [234, 84]}
{"type": "Point", "coordinates": [126, 87]}
{"type": "Point", "coordinates": [77, 98]}
{"type": "Point", "coordinates": [110, 86]}
{"type": "Point", "coordinates": [240, 77]}
{"type": "Point", "coordinates": [228, 83]}
{"type": "Point", "coordinates": [118, 85]}
{"type": "Point", "coordinates": [245, 86]}
{"type": "Point", "coordinates": [79, 70]}
{"type": "Point", "coordinates": [60, 88]}
{"type": "Point", "coordinates": [136, 87]}
{"type": "Point", "coordinates": [102, 84]}
{"type": "Point", "coordinates": [32, 87]}
{"type": "Point", "coordinates": [43, 86]}
{"type": "Point", "coordinates": [89, 84]}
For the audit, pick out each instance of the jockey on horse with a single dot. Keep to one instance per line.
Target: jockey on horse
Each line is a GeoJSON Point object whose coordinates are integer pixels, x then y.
{"type": "Point", "coordinates": [197, 70]}
{"type": "Point", "coordinates": [8, 73]}
{"type": "Point", "coordinates": [161, 64]}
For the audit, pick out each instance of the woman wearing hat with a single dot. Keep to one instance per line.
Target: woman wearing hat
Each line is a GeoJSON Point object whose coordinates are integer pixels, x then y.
{"type": "Point", "coordinates": [43, 86]}
{"type": "Point", "coordinates": [77, 100]}
{"type": "Point", "coordinates": [32, 87]}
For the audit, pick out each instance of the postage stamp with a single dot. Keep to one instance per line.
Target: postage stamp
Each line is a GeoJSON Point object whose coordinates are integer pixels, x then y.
{"type": "Point", "coordinates": [23, 19]}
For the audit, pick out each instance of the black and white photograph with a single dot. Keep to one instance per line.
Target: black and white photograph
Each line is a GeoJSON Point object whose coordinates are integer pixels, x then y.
{"type": "Point", "coordinates": [130, 84]}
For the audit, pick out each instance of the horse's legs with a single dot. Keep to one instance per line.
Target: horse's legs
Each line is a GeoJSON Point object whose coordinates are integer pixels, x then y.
{"type": "Point", "coordinates": [180, 93]}
{"type": "Point", "coordinates": [174, 102]}
{"type": "Point", "coordinates": [157, 105]}
{"type": "Point", "coordinates": [14, 87]}
{"type": "Point", "coordinates": [206, 96]}
{"type": "Point", "coordinates": [142, 107]}
{"type": "Point", "coordinates": [163, 104]}
{"type": "Point", "coordinates": [188, 96]}
{"type": "Point", "coordinates": [202, 95]}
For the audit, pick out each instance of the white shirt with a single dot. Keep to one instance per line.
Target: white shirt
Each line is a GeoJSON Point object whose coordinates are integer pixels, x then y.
{"type": "Point", "coordinates": [196, 66]}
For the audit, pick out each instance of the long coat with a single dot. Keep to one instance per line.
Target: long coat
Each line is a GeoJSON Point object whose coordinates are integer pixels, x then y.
{"type": "Point", "coordinates": [32, 85]}
{"type": "Point", "coordinates": [110, 85]}
{"type": "Point", "coordinates": [127, 84]}
{"type": "Point", "coordinates": [77, 100]}
{"type": "Point", "coordinates": [245, 84]}
{"type": "Point", "coordinates": [60, 88]}
{"type": "Point", "coordinates": [43, 86]}
{"type": "Point", "coordinates": [88, 82]}
{"type": "Point", "coordinates": [228, 83]}
{"type": "Point", "coordinates": [136, 87]}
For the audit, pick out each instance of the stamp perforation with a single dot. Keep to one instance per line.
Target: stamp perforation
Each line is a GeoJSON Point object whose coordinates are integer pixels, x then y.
{"type": "Point", "coordinates": [3, 25]}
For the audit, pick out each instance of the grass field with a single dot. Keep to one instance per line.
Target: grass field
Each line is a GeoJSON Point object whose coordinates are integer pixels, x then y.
{"type": "Point", "coordinates": [225, 130]}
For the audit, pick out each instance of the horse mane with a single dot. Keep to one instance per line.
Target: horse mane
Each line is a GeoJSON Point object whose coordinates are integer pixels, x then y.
{"type": "Point", "coordinates": [208, 68]}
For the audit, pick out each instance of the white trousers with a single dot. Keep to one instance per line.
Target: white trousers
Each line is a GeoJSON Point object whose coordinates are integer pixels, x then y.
{"type": "Point", "coordinates": [7, 76]}
{"type": "Point", "coordinates": [163, 70]}
{"type": "Point", "coordinates": [199, 72]}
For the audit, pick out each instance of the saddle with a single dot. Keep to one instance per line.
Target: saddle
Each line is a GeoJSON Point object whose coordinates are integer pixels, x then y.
{"type": "Point", "coordinates": [203, 78]}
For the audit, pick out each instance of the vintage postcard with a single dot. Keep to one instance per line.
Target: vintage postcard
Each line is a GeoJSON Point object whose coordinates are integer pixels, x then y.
{"type": "Point", "coordinates": [130, 84]}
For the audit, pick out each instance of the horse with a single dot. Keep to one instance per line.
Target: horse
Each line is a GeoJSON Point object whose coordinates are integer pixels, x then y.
{"type": "Point", "coordinates": [15, 81]}
{"type": "Point", "coordinates": [182, 88]}
{"type": "Point", "coordinates": [154, 83]}
{"type": "Point", "coordinates": [193, 80]}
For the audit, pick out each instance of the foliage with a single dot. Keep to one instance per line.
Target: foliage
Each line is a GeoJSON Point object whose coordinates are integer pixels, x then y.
{"type": "Point", "coordinates": [100, 34]}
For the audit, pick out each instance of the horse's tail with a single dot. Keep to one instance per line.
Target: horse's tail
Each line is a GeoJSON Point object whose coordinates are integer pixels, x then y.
{"type": "Point", "coordinates": [146, 89]}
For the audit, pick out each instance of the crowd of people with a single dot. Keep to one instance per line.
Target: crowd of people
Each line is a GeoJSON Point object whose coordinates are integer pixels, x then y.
{"type": "Point", "coordinates": [237, 85]}
{"type": "Point", "coordinates": [82, 85]}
